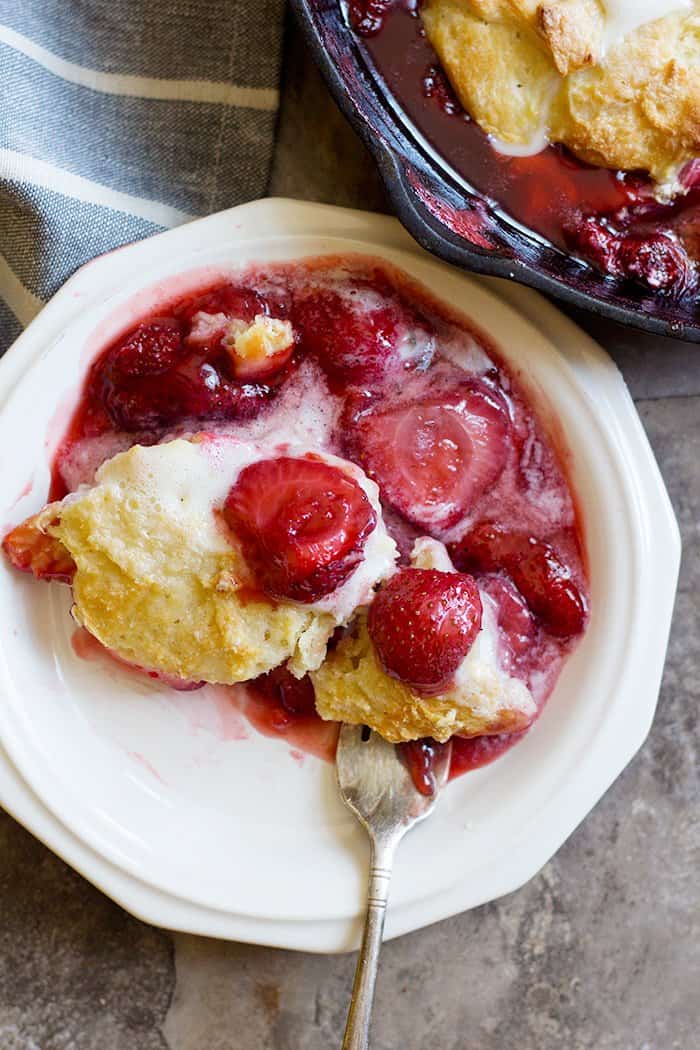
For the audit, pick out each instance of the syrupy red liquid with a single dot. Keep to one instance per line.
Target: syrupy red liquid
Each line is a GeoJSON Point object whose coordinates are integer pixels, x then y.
{"type": "Point", "coordinates": [266, 712]}
{"type": "Point", "coordinates": [550, 192]}
{"type": "Point", "coordinates": [382, 309]}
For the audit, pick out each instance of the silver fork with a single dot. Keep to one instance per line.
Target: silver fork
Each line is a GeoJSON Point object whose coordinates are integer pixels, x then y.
{"type": "Point", "coordinates": [376, 785]}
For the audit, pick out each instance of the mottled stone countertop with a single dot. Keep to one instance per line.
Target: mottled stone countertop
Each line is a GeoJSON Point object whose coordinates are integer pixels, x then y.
{"type": "Point", "coordinates": [601, 951]}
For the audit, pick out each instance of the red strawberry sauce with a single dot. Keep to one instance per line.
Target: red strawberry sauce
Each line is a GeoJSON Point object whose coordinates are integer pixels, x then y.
{"type": "Point", "coordinates": [609, 218]}
{"type": "Point", "coordinates": [375, 357]}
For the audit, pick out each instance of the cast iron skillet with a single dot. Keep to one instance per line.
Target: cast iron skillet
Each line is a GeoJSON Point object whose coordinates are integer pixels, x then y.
{"type": "Point", "coordinates": [458, 224]}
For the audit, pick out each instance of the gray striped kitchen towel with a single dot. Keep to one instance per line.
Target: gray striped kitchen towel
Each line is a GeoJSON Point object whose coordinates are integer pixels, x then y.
{"type": "Point", "coordinates": [119, 118]}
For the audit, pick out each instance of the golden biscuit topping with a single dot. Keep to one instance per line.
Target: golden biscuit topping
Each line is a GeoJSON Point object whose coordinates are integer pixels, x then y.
{"type": "Point", "coordinates": [265, 337]}
{"type": "Point", "coordinates": [573, 32]}
{"type": "Point", "coordinates": [158, 581]}
{"type": "Point", "coordinates": [616, 83]}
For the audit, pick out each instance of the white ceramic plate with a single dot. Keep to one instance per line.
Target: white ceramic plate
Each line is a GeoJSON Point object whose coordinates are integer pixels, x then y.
{"type": "Point", "coordinates": [194, 821]}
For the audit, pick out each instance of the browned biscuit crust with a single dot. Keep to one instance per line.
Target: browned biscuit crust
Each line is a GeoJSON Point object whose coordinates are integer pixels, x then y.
{"type": "Point", "coordinates": [521, 67]}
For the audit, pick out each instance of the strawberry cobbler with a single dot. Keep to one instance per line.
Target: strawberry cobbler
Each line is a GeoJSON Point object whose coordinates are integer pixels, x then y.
{"type": "Point", "coordinates": [315, 483]}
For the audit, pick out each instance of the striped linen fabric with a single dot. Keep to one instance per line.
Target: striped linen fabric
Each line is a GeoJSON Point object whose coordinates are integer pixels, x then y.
{"type": "Point", "coordinates": [121, 118]}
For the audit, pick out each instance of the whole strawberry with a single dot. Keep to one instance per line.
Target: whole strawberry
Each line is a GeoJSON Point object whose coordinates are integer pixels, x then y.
{"type": "Point", "coordinates": [423, 623]}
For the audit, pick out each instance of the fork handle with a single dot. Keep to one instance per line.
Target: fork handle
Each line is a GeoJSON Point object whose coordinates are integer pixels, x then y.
{"type": "Point", "coordinates": [357, 1026]}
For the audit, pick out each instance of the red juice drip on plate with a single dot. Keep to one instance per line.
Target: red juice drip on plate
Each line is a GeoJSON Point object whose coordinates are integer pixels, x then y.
{"type": "Point", "coordinates": [478, 751]}
{"type": "Point", "coordinates": [278, 705]}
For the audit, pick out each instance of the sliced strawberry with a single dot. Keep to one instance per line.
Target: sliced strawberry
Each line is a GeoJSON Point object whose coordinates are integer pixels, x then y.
{"type": "Point", "coordinates": [423, 623]}
{"type": "Point", "coordinates": [433, 458]}
{"type": "Point", "coordinates": [194, 390]}
{"type": "Point", "coordinates": [550, 592]}
{"type": "Point", "coordinates": [149, 350]}
{"type": "Point", "coordinates": [514, 617]}
{"type": "Point", "coordinates": [355, 341]}
{"type": "Point", "coordinates": [487, 548]}
{"type": "Point", "coordinates": [209, 394]}
{"type": "Point", "coordinates": [155, 378]}
{"type": "Point", "coordinates": [31, 550]}
{"type": "Point", "coordinates": [534, 566]}
{"type": "Point", "coordinates": [302, 524]}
